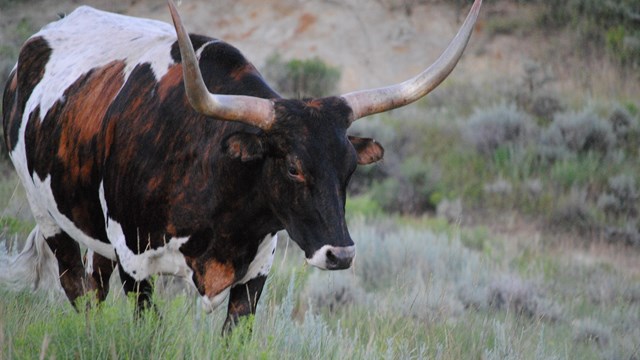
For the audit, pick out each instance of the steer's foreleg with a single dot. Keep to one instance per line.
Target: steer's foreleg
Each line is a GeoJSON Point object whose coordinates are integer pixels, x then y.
{"type": "Point", "coordinates": [244, 295]}
{"type": "Point", "coordinates": [243, 299]}
{"type": "Point", "coordinates": [142, 289]}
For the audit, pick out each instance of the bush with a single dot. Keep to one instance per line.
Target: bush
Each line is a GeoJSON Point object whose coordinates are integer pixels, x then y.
{"type": "Point", "coordinates": [577, 134]}
{"type": "Point", "coordinates": [622, 197]}
{"type": "Point", "coordinates": [499, 126]}
{"type": "Point", "coordinates": [573, 214]}
{"type": "Point", "coordinates": [626, 128]}
{"type": "Point", "coordinates": [302, 78]}
{"type": "Point", "coordinates": [591, 330]}
{"type": "Point", "coordinates": [551, 147]}
{"type": "Point", "coordinates": [450, 210]}
{"type": "Point", "coordinates": [533, 94]}
{"type": "Point", "coordinates": [627, 235]}
{"type": "Point", "coordinates": [410, 189]}
{"type": "Point", "coordinates": [362, 205]}
{"type": "Point", "coordinates": [332, 291]}
{"type": "Point", "coordinates": [522, 298]}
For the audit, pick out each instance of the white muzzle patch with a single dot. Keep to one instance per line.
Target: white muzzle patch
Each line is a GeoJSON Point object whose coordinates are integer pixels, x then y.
{"type": "Point", "coordinates": [331, 257]}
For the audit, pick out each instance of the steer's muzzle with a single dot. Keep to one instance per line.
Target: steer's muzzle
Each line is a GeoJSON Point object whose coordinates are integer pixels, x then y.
{"type": "Point", "coordinates": [333, 257]}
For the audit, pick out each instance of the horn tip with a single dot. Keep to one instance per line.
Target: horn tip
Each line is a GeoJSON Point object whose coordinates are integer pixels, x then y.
{"type": "Point", "coordinates": [474, 8]}
{"type": "Point", "coordinates": [172, 10]}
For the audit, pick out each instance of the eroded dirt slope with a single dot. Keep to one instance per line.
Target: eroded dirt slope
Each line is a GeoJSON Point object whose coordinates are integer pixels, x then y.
{"type": "Point", "coordinates": [373, 44]}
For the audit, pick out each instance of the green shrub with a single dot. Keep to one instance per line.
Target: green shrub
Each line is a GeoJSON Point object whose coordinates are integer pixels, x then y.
{"type": "Point", "coordinates": [573, 214]}
{"type": "Point", "coordinates": [585, 132]}
{"type": "Point", "coordinates": [628, 234]}
{"type": "Point", "coordinates": [362, 205]}
{"type": "Point", "coordinates": [523, 298]}
{"type": "Point", "coordinates": [302, 78]}
{"type": "Point", "coordinates": [626, 127]}
{"type": "Point", "coordinates": [534, 95]}
{"type": "Point", "coordinates": [501, 126]}
{"type": "Point", "coordinates": [409, 189]}
{"type": "Point", "coordinates": [578, 133]}
{"type": "Point", "coordinates": [332, 291]}
{"type": "Point", "coordinates": [591, 330]}
{"type": "Point", "coordinates": [572, 172]}
{"type": "Point", "coordinates": [622, 197]}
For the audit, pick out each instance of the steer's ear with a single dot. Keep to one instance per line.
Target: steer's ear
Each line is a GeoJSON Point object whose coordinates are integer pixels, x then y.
{"type": "Point", "coordinates": [369, 150]}
{"type": "Point", "coordinates": [244, 146]}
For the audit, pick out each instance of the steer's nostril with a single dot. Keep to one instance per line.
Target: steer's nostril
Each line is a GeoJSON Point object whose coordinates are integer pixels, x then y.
{"type": "Point", "coordinates": [331, 257]}
{"type": "Point", "coordinates": [338, 258]}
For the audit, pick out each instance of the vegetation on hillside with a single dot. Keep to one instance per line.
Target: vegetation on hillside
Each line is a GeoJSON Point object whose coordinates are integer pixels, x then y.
{"type": "Point", "coordinates": [299, 79]}
{"type": "Point", "coordinates": [575, 169]}
{"type": "Point", "coordinates": [610, 25]}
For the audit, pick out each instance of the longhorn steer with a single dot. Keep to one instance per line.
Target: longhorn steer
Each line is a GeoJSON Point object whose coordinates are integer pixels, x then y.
{"type": "Point", "coordinates": [162, 159]}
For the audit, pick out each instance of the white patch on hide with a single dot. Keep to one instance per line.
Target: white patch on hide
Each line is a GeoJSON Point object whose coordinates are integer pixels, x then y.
{"type": "Point", "coordinates": [89, 38]}
{"type": "Point", "coordinates": [261, 264]}
{"type": "Point", "coordinates": [166, 259]}
{"type": "Point", "coordinates": [54, 220]}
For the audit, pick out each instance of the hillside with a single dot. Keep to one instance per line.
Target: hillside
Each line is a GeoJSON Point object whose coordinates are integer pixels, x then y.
{"type": "Point", "coordinates": [374, 43]}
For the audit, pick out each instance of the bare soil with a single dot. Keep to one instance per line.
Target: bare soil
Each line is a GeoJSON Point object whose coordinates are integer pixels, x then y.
{"type": "Point", "coordinates": [372, 43]}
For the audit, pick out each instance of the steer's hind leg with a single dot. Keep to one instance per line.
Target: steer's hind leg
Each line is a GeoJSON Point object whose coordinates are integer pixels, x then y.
{"type": "Point", "coordinates": [243, 299]}
{"type": "Point", "coordinates": [70, 268]}
{"type": "Point", "coordinates": [142, 289]}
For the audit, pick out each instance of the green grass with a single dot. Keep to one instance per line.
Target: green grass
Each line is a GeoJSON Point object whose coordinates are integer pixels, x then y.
{"type": "Point", "coordinates": [419, 289]}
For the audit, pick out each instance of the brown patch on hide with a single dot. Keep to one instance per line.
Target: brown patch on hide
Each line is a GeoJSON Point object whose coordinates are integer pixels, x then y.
{"type": "Point", "coordinates": [212, 277]}
{"type": "Point", "coordinates": [86, 102]}
{"type": "Point", "coordinates": [171, 81]}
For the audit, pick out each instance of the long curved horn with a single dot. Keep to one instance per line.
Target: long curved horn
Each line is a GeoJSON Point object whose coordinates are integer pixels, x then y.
{"type": "Point", "coordinates": [373, 101]}
{"type": "Point", "coordinates": [247, 109]}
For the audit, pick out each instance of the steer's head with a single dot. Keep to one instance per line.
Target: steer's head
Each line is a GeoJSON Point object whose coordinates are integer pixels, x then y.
{"type": "Point", "coordinates": [308, 159]}
{"type": "Point", "coordinates": [308, 156]}
{"type": "Point", "coordinates": [311, 160]}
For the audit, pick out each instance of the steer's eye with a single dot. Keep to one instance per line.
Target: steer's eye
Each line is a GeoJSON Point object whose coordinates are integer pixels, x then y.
{"type": "Point", "coordinates": [294, 173]}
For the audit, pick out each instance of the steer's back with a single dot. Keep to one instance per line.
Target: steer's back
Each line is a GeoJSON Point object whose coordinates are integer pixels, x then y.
{"type": "Point", "coordinates": [56, 105]}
